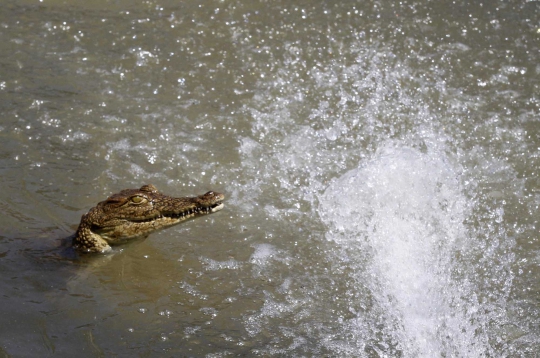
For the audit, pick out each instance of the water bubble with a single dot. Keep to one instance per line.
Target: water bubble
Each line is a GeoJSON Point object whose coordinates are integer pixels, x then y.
{"type": "Point", "coordinates": [165, 313]}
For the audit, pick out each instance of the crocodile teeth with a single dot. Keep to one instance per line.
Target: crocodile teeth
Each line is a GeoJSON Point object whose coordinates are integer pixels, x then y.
{"type": "Point", "coordinates": [190, 212]}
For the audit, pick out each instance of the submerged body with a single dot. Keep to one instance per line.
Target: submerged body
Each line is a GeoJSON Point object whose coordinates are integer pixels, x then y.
{"type": "Point", "coordinates": [135, 213]}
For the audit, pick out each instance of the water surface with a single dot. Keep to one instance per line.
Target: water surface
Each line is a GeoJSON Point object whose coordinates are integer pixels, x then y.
{"type": "Point", "coordinates": [380, 161]}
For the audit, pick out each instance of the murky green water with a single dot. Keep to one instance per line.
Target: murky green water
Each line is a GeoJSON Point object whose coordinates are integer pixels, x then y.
{"type": "Point", "coordinates": [380, 161]}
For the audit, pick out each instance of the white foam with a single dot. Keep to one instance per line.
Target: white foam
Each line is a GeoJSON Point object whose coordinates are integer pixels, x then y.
{"type": "Point", "coordinates": [213, 265]}
{"type": "Point", "coordinates": [262, 254]}
{"type": "Point", "coordinates": [402, 213]}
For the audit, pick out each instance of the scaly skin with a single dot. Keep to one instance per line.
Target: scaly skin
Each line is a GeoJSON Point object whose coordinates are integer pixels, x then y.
{"type": "Point", "coordinates": [135, 213]}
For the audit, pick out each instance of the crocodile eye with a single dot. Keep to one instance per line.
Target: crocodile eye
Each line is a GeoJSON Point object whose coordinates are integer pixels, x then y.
{"type": "Point", "coordinates": [137, 199]}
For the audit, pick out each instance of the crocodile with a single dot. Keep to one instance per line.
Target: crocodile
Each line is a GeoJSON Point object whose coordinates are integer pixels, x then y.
{"type": "Point", "coordinates": [135, 213]}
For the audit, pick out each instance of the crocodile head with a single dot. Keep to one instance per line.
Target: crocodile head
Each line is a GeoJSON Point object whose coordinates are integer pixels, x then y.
{"type": "Point", "coordinates": [135, 213]}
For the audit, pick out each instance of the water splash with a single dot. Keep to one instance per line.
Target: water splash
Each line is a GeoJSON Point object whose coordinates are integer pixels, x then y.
{"type": "Point", "coordinates": [399, 219]}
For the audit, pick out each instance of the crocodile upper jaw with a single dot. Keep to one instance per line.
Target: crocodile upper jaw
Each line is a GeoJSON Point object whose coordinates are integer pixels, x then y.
{"type": "Point", "coordinates": [135, 213]}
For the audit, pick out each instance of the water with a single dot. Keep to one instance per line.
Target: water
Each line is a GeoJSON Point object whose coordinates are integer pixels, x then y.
{"type": "Point", "coordinates": [380, 162]}
{"type": "Point", "coordinates": [402, 225]}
